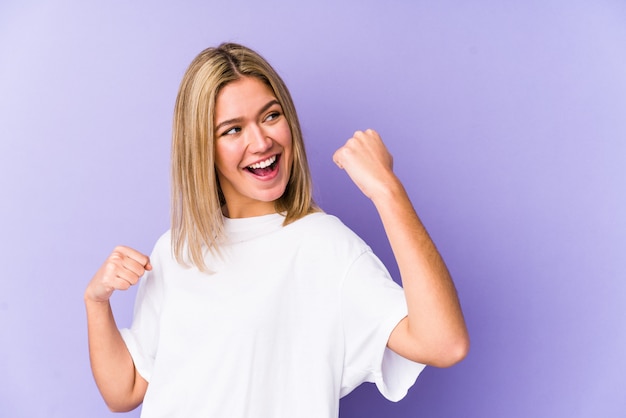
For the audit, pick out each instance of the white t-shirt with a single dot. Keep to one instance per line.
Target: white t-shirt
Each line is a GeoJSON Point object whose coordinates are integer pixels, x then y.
{"type": "Point", "coordinates": [291, 319]}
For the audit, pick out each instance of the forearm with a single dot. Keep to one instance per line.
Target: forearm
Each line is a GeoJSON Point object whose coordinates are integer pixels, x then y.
{"type": "Point", "coordinates": [434, 332]}
{"type": "Point", "coordinates": [111, 363]}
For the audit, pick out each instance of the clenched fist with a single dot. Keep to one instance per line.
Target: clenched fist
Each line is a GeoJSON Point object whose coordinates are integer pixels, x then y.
{"type": "Point", "coordinates": [367, 161]}
{"type": "Point", "coordinates": [121, 270]}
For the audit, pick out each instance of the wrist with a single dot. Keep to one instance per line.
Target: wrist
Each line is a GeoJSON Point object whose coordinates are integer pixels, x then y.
{"type": "Point", "coordinates": [92, 300]}
{"type": "Point", "coordinates": [389, 190]}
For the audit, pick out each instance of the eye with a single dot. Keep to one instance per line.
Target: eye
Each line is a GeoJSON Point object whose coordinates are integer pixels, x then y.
{"type": "Point", "coordinates": [232, 131]}
{"type": "Point", "coordinates": [272, 116]}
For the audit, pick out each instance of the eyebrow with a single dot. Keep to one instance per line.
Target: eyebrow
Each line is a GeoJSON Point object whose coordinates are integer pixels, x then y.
{"type": "Point", "coordinates": [237, 120]}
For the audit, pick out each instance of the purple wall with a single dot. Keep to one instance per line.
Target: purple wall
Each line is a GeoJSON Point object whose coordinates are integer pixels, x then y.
{"type": "Point", "coordinates": [507, 121]}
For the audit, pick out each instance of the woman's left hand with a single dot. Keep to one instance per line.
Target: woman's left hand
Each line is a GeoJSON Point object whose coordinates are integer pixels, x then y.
{"type": "Point", "coordinates": [367, 161]}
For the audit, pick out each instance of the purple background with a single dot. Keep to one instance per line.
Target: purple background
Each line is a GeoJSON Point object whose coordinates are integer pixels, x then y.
{"type": "Point", "coordinates": [507, 121]}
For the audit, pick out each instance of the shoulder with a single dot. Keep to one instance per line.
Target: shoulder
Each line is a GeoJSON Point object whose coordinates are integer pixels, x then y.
{"type": "Point", "coordinates": [162, 249]}
{"type": "Point", "coordinates": [323, 222]}
{"type": "Point", "coordinates": [328, 231]}
{"type": "Point", "coordinates": [164, 241]}
{"type": "Point", "coordinates": [162, 258]}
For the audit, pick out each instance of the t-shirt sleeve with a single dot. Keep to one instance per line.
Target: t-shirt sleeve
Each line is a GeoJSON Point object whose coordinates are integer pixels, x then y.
{"type": "Point", "coordinates": [372, 306]}
{"type": "Point", "coordinates": [142, 337]}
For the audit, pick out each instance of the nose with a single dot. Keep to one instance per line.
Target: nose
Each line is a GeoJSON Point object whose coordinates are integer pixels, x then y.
{"type": "Point", "coordinates": [258, 140]}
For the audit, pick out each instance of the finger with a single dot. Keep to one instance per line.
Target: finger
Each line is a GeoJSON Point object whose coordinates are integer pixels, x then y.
{"type": "Point", "coordinates": [372, 133]}
{"type": "Point", "coordinates": [357, 134]}
{"type": "Point", "coordinates": [133, 254]}
{"type": "Point", "coordinates": [121, 264]}
{"type": "Point", "coordinates": [117, 283]}
{"type": "Point", "coordinates": [337, 158]}
{"type": "Point", "coordinates": [133, 266]}
{"type": "Point", "coordinates": [119, 261]}
{"type": "Point", "coordinates": [125, 279]}
{"type": "Point", "coordinates": [368, 133]}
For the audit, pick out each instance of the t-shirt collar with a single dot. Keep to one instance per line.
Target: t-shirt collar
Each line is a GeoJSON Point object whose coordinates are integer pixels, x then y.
{"type": "Point", "coordinates": [245, 229]}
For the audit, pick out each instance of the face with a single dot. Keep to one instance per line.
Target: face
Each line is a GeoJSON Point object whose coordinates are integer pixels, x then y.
{"type": "Point", "coordinates": [253, 152]}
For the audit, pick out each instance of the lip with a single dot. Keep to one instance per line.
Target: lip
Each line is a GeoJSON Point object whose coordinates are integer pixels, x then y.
{"type": "Point", "coordinates": [272, 175]}
{"type": "Point", "coordinates": [278, 155]}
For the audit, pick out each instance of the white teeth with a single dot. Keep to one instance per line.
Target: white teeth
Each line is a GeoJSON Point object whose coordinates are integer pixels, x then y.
{"type": "Point", "coordinates": [265, 163]}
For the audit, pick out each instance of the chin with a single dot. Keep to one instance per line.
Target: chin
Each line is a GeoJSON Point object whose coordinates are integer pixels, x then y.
{"type": "Point", "coordinates": [271, 195]}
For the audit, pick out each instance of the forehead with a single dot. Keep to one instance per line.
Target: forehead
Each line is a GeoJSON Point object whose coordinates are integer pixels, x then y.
{"type": "Point", "coordinates": [242, 97]}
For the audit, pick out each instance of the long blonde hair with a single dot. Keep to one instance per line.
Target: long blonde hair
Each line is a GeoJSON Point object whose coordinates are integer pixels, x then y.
{"type": "Point", "coordinates": [197, 223]}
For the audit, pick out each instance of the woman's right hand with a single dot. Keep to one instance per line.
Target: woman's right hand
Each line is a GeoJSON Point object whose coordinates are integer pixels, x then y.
{"type": "Point", "coordinates": [121, 270]}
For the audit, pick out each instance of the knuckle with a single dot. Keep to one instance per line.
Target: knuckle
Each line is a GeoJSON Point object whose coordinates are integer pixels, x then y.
{"type": "Point", "coordinates": [116, 256]}
{"type": "Point", "coordinates": [123, 285]}
{"type": "Point", "coordinates": [110, 268]}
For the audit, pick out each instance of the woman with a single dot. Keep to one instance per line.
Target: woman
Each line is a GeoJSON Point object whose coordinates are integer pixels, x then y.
{"type": "Point", "coordinates": [256, 303]}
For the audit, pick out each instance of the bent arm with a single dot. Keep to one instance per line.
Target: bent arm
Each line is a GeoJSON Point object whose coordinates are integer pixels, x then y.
{"type": "Point", "coordinates": [120, 384]}
{"type": "Point", "coordinates": [113, 369]}
{"type": "Point", "coordinates": [434, 331]}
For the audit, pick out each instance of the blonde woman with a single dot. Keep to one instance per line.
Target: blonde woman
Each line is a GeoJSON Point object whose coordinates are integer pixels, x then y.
{"type": "Point", "coordinates": [256, 303]}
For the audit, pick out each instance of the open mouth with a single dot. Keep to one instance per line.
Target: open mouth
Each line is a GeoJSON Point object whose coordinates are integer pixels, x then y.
{"type": "Point", "coordinates": [265, 167]}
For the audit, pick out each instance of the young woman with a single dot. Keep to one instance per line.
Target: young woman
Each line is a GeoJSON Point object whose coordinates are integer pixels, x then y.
{"type": "Point", "coordinates": [256, 303]}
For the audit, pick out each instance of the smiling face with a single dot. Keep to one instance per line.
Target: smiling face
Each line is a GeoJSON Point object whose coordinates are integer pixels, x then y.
{"type": "Point", "coordinates": [253, 148]}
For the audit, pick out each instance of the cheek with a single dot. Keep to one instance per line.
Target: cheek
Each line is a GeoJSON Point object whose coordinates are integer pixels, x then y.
{"type": "Point", "coordinates": [224, 157]}
{"type": "Point", "coordinates": [288, 146]}
{"type": "Point", "coordinates": [286, 141]}
{"type": "Point", "coordinates": [283, 135]}
{"type": "Point", "coordinates": [219, 163]}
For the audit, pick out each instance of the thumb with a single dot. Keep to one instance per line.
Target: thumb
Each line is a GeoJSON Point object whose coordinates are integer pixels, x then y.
{"type": "Point", "coordinates": [336, 159]}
